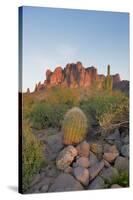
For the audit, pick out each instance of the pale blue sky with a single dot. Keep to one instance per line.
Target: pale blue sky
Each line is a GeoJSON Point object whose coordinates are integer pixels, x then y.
{"type": "Point", "coordinates": [53, 37]}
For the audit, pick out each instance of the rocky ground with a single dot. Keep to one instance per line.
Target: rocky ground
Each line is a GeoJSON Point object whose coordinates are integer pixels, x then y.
{"type": "Point", "coordinates": [93, 164]}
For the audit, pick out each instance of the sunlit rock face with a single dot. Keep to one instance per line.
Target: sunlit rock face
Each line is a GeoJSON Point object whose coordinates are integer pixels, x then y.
{"type": "Point", "coordinates": [74, 75]}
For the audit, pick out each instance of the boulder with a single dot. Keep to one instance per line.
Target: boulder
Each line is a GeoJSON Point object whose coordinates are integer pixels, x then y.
{"type": "Point", "coordinates": [82, 175]}
{"type": "Point", "coordinates": [125, 140]}
{"type": "Point", "coordinates": [83, 149]}
{"type": "Point", "coordinates": [122, 164]}
{"type": "Point", "coordinates": [68, 170]}
{"type": "Point", "coordinates": [95, 169]}
{"type": "Point", "coordinates": [82, 162]}
{"type": "Point", "coordinates": [125, 150]}
{"type": "Point", "coordinates": [97, 183]}
{"type": "Point", "coordinates": [111, 154]}
{"type": "Point", "coordinates": [92, 159]}
{"type": "Point", "coordinates": [106, 163]}
{"type": "Point", "coordinates": [65, 182]}
{"type": "Point", "coordinates": [65, 157]}
{"type": "Point", "coordinates": [113, 136]}
{"type": "Point", "coordinates": [109, 174]}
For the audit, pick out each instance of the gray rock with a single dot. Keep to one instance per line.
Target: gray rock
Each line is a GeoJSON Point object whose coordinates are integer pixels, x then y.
{"type": "Point", "coordinates": [53, 146]}
{"type": "Point", "coordinates": [82, 175]}
{"type": "Point", "coordinates": [92, 159]}
{"type": "Point", "coordinates": [125, 150]}
{"type": "Point", "coordinates": [113, 136]}
{"type": "Point", "coordinates": [122, 164]}
{"type": "Point", "coordinates": [106, 147]}
{"type": "Point", "coordinates": [125, 140]}
{"type": "Point", "coordinates": [36, 179]}
{"type": "Point", "coordinates": [97, 183]}
{"type": "Point", "coordinates": [65, 157]}
{"type": "Point", "coordinates": [42, 185]}
{"type": "Point", "coordinates": [106, 163]}
{"type": "Point", "coordinates": [118, 144]}
{"type": "Point", "coordinates": [95, 169]}
{"type": "Point", "coordinates": [44, 188]}
{"type": "Point", "coordinates": [111, 154]}
{"type": "Point", "coordinates": [55, 142]}
{"type": "Point", "coordinates": [109, 174]}
{"type": "Point", "coordinates": [115, 186]}
{"type": "Point", "coordinates": [82, 162]}
{"type": "Point", "coordinates": [65, 182]}
{"type": "Point", "coordinates": [83, 149]}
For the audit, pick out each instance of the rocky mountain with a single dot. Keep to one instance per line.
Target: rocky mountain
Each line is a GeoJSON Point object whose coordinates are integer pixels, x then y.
{"type": "Point", "coordinates": [76, 75]}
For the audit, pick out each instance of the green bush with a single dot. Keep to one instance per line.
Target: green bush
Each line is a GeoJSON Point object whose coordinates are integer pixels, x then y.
{"type": "Point", "coordinates": [46, 115]}
{"type": "Point", "coordinates": [122, 180]}
{"type": "Point", "coordinates": [106, 108]}
{"type": "Point", "coordinates": [32, 156]}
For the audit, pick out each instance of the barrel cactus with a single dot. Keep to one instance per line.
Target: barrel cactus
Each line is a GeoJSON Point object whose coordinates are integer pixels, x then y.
{"type": "Point", "coordinates": [74, 126]}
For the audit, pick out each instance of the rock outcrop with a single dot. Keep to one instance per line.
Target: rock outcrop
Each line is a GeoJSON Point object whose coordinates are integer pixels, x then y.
{"type": "Point", "coordinates": [75, 75]}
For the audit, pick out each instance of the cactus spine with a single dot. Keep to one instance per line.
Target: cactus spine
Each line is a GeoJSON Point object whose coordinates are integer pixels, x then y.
{"type": "Point", "coordinates": [108, 83]}
{"type": "Point", "coordinates": [74, 126]}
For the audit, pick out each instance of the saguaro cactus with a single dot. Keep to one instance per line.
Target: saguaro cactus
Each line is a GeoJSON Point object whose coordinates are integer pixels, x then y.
{"type": "Point", "coordinates": [108, 80]}
{"type": "Point", "coordinates": [74, 126]}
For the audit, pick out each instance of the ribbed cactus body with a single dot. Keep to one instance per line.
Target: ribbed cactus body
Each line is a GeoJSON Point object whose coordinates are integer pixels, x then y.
{"type": "Point", "coordinates": [108, 83]}
{"type": "Point", "coordinates": [74, 126]}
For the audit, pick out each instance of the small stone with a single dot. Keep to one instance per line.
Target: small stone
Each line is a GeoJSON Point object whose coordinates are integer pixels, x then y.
{"type": "Point", "coordinates": [95, 169]}
{"type": "Point", "coordinates": [115, 186]}
{"type": "Point", "coordinates": [65, 157]}
{"type": "Point", "coordinates": [111, 154]}
{"type": "Point", "coordinates": [96, 148]}
{"type": "Point", "coordinates": [82, 175]}
{"type": "Point", "coordinates": [125, 150]}
{"type": "Point", "coordinates": [44, 188]}
{"type": "Point", "coordinates": [82, 162]}
{"type": "Point", "coordinates": [113, 136]}
{"type": "Point", "coordinates": [97, 183]}
{"type": "Point", "coordinates": [68, 170]}
{"type": "Point", "coordinates": [106, 163]}
{"type": "Point", "coordinates": [42, 185]}
{"type": "Point", "coordinates": [106, 147]}
{"type": "Point", "coordinates": [92, 159]}
{"type": "Point", "coordinates": [35, 179]}
{"type": "Point", "coordinates": [122, 164]}
{"type": "Point", "coordinates": [65, 182]}
{"type": "Point", "coordinates": [109, 174]}
{"type": "Point", "coordinates": [83, 149]}
{"type": "Point", "coordinates": [118, 144]}
{"type": "Point", "coordinates": [125, 140]}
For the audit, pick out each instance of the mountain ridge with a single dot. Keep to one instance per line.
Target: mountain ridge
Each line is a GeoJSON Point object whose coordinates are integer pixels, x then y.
{"type": "Point", "coordinates": [75, 75]}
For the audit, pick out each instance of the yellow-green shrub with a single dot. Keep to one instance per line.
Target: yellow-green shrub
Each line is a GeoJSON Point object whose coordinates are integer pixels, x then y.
{"type": "Point", "coordinates": [32, 155]}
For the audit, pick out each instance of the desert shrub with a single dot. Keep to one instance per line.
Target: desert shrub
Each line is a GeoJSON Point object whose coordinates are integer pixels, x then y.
{"type": "Point", "coordinates": [46, 115]}
{"type": "Point", "coordinates": [106, 108]}
{"type": "Point", "coordinates": [59, 95]}
{"type": "Point", "coordinates": [32, 155]}
{"type": "Point", "coordinates": [27, 105]}
{"type": "Point", "coordinates": [122, 180]}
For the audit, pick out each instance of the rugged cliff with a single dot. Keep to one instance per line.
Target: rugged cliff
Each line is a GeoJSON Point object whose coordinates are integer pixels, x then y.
{"type": "Point", "coordinates": [74, 75]}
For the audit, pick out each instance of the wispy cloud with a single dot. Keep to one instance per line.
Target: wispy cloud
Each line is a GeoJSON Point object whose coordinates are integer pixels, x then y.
{"type": "Point", "coordinates": [66, 51]}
